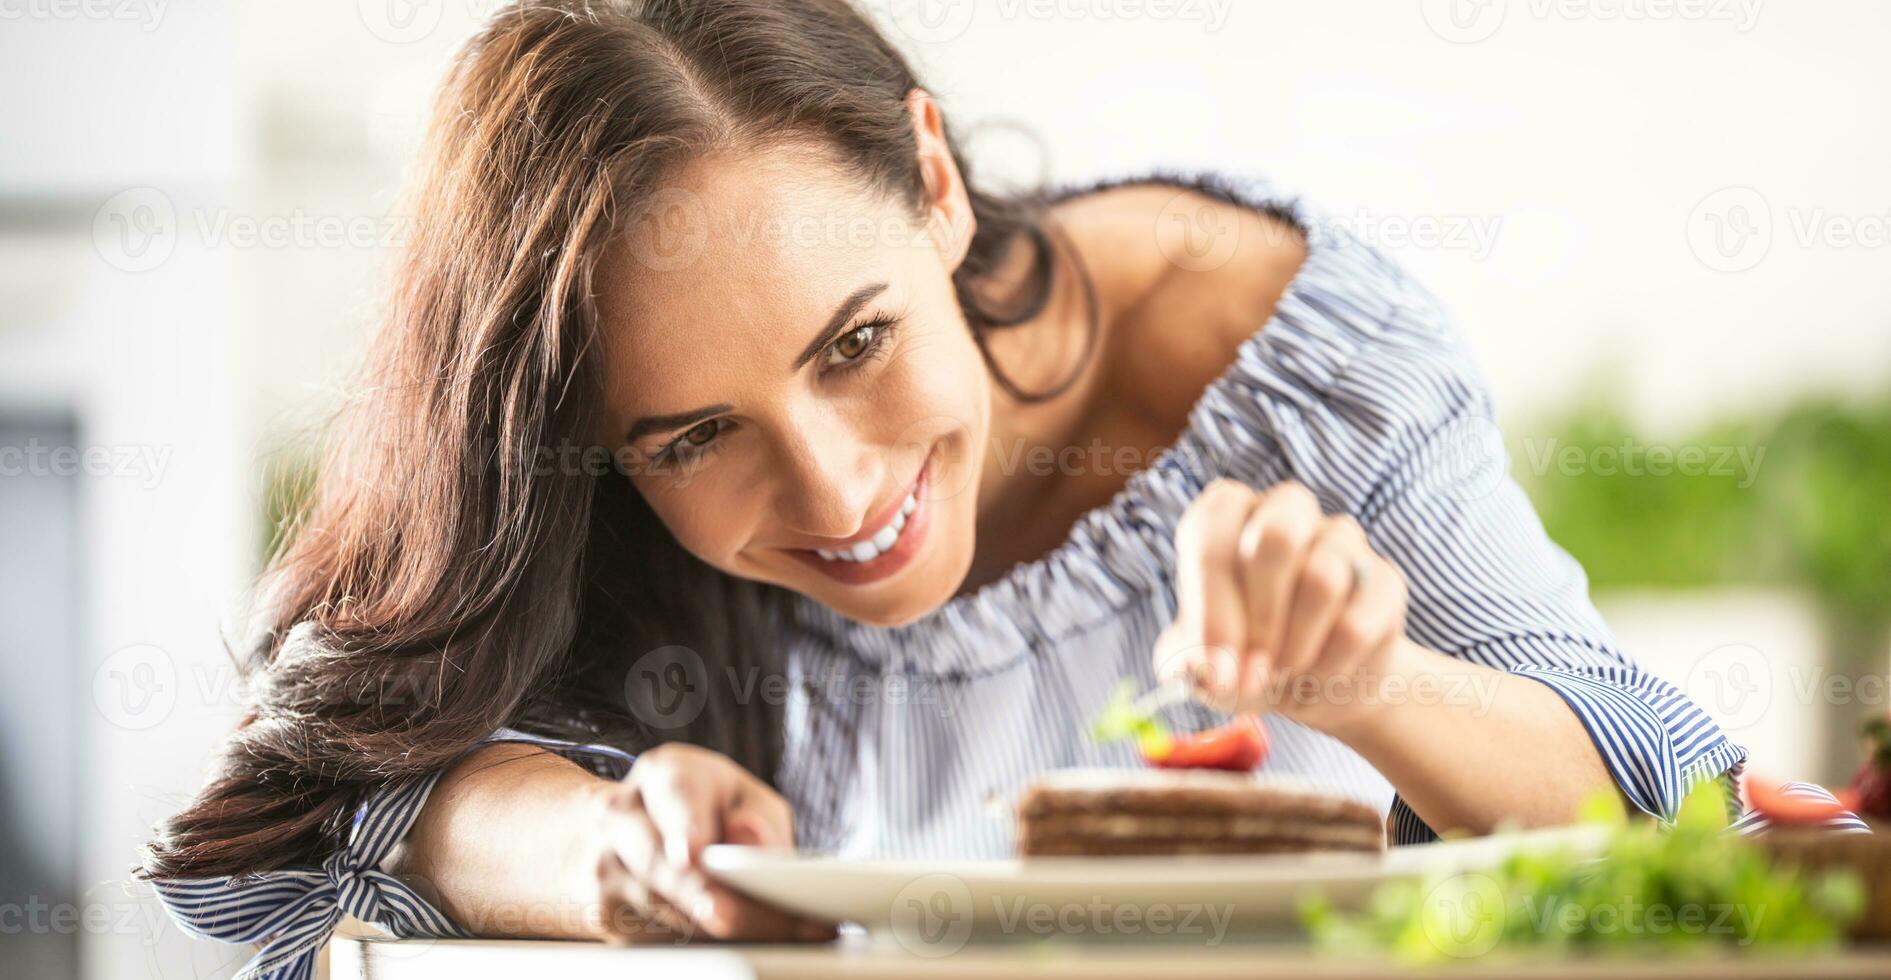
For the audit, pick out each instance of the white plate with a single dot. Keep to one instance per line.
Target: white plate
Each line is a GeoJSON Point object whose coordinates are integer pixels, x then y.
{"type": "Point", "coordinates": [932, 902]}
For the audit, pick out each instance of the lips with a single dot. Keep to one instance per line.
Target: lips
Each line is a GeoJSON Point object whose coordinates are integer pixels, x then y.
{"type": "Point", "coordinates": [879, 542]}
{"type": "Point", "coordinates": [884, 547]}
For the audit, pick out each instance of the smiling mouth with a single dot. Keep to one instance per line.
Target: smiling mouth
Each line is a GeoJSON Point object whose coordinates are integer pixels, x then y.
{"type": "Point", "coordinates": [882, 541]}
{"type": "Point", "coordinates": [886, 550]}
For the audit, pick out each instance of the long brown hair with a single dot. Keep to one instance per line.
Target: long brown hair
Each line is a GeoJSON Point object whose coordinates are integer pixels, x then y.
{"type": "Point", "coordinates": [442, 581]}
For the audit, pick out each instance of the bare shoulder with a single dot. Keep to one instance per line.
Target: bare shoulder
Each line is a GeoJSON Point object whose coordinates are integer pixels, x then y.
{"type": "Point", "coordinates": [1183, 278]}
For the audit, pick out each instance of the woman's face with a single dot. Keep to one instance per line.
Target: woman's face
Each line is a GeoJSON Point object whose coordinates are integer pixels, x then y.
{"type": "Point", "coordinates": [793, 383]}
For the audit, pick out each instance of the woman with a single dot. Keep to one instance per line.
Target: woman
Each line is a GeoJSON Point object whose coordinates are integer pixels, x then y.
{"type": "Point", "coordinates": [731, 468]}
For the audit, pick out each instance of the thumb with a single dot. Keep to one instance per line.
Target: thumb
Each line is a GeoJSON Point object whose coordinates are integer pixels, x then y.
{"type": "Point", "coordinates": [756, 822]}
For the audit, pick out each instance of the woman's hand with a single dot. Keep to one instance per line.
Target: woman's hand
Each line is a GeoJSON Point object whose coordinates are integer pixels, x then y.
{"type": "Point", "coordinates": [677, 800]}
{"type": "Point", "coordinates": [1282, 608]}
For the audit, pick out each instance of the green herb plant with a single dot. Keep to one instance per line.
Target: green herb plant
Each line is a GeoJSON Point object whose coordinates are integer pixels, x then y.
{"type": "Point", "coordinates": [1120, 718]}
{"type": "Point", "coordinates": [1694, 886]}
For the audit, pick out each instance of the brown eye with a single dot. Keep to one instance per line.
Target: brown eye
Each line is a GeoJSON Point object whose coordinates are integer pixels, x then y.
{"type": "Point", "coordinates": [854, 343]}
{"type": "Point", "coordinates": [701, 433]}
{"type": "Point", "coordinates": [856, 347]}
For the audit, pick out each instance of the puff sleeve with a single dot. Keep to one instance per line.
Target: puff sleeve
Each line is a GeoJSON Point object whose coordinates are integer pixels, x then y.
{"type": "Point", "coordinates": [292, 912]}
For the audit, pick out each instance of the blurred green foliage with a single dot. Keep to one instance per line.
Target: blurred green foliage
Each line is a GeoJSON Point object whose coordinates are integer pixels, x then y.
{"type": "Point", "coordinates": [1800, 498]}
{"type": "Point", "coordinates": [1687, 888]}
{"type": "Point", "coordinates": [288, 483]}
{"type": "Point", "coordinates": [1833, 497]}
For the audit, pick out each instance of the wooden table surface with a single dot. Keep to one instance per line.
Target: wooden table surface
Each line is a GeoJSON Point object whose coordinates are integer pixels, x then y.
{"type": "Point", "coordinates": [858, 958]}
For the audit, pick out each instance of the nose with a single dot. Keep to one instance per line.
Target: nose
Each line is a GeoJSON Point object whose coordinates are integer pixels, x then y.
{"type": "Point", "coordinates": [831, 479]}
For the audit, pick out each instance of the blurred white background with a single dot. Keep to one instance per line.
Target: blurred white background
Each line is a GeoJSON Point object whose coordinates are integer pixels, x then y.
{"type": "Point", "coordinates": [194, 220]}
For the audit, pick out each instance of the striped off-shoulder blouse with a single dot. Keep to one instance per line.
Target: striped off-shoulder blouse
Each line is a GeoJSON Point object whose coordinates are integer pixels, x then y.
{"type": "Point", "coordinates": [906, 741]}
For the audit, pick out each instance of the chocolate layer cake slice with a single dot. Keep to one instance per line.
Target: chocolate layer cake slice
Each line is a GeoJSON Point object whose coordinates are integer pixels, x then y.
{"type": "Point", "coordinates": [1095, 812]}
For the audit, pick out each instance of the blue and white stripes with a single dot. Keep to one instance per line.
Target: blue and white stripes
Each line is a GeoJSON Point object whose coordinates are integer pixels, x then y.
{"type": "Point", "coordinates": [900, 741]}
{"type": "Point", "coordinates": [1359, 388]}
{"type": "Point", "coordinates": [294, 911]}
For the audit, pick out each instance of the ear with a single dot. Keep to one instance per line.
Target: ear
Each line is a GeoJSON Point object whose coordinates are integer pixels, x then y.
{"type": "Point", "coordinates": [948, 206]}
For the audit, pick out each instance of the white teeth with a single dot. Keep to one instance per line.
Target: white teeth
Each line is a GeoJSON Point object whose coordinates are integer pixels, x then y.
{"type": "Point", "coordinates": [881, 542]}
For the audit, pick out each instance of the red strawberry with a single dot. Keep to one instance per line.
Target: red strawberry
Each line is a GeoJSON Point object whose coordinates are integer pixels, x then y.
{"type": "Point", "coordinates": [1871, 784]}
{"type": "Point", "coordinates": [1780, 806]}
{"type": "Point", "coordinates": [1239, 745]}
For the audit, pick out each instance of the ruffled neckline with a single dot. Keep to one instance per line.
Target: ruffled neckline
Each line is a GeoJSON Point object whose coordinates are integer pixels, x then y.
{"type": "Point", "coordinates": [1120, 552]}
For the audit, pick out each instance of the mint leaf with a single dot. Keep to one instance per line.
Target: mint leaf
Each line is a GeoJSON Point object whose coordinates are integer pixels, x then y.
{"type": "Point", "coordinates": [1119, 720]}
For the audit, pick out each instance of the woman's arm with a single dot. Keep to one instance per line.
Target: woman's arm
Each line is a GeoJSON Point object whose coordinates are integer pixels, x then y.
{"type": "Point", "coordinates": [1282, 608]}
{"type": "Point", "coordinates": [480, 851]}
{"type": "Point", "coordinates": [1471, 746]}
{"type": "Point", "coordinates": [518, 842]}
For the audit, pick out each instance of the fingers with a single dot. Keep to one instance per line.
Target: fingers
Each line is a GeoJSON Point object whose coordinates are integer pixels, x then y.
{"type": "Point", "coordinates": [637, 843]}
{"type": "Point", "coordinates": [1210, 606]}
{"type": "Point", "coordinates": [1373, 619]}
{"type": "Point", "coordinates": [1181, 658]}
{"type": "Point", "coordinates": [661, 901]}
{"type": "Point", "coordinates": [684, 809]}
{"type": "Point", "coordinates": [1270, 591]}
{"type": "Point", "coordinates": [1349, 609]}
{"type": "Point", "coordinates": [629, 914]}
{"type": "Point", "coordinates": [1322, 593]}
{"type": "Point", "coordinates": [629, 910]}
{"type": "Point", "coordinates": [676, 801]}
{"type": "Point", "coordinates": [759, 819]}
{"type": "Point", "coordinates": [1272, 550]}
{"type": "Point", "coordinates": [734, 916]}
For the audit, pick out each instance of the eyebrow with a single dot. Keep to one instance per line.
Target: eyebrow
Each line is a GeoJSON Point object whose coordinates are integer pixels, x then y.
{"type": "Point", "coordinates": [835, 323]}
